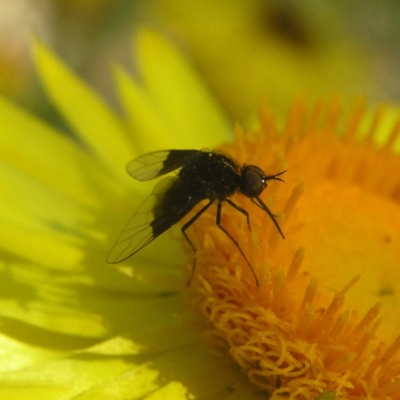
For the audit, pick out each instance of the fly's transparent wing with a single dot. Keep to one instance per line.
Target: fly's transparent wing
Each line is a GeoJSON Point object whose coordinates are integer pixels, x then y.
{"type": "Point", "coordinates": [158, 163]}
{"type": "Point", "coordinates": [147, 223]}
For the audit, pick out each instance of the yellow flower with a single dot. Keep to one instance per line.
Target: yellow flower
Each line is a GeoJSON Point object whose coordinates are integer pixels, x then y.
{"type": "Point", "coordinates": [72, 326]}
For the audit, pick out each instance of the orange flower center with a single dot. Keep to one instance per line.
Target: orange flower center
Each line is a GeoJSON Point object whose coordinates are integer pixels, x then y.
{"type": "Point", "coordinates": [357, 233]}
{"type": "Point", "coordinates": [325, 314]}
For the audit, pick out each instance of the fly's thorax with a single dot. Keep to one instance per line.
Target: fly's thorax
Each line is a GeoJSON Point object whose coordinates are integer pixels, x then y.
{"type": "Point", "coordinates": [211, 174]}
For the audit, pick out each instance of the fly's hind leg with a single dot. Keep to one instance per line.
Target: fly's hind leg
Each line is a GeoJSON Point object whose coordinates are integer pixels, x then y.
{"type": "Point", "coordinates": [234, 241]}
{"type": "Point", "coordinates": [183, 229]}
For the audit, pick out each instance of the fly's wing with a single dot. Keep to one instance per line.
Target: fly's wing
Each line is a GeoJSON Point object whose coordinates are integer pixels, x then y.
{"type": "Point", "coordinates": [153, 165]}
{"type": "Point", "coordinates": [147, 223]}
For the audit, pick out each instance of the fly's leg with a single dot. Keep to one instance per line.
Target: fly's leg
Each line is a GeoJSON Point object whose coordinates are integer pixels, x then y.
{"type": "Point", "coordinates": [243, 211]}
{"type": "Point", "coordinates": [258, 202]}
{"type": "Point", "coordinates": [183, 229]}
{"type": "Point", "coordinates": [234, 241]}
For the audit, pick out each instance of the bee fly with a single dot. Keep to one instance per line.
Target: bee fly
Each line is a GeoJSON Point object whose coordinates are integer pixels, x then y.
{"type": "Point", "coordinates": [202, 175]}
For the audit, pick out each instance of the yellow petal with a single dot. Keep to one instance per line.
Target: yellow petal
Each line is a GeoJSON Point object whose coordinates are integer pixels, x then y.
{"type": "Point", "coordinates": [99, 373]}
{"type": "Point", "coordinates": [173, 391]}
{"type": "Point", "coordinates": [191, 113]}
{"type": "Point", "coordinates": [18, 355]}
{"type": "Point", "coordinates": [150, 130]}
{"type": "Point", "coordinates": [94, 378]}
{"type": "Point", "coordinates": [86, 113]}
{"type": "Point", "coordinates": [45, 154]}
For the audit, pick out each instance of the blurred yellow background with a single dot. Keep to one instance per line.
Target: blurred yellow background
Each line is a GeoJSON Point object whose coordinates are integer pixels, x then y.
{"type": "Point", "coordinates": [244, 49]}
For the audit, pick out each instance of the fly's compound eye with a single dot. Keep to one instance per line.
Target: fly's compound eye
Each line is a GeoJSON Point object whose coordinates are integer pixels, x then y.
{"type": "Point", "coordinates": [252, 181]}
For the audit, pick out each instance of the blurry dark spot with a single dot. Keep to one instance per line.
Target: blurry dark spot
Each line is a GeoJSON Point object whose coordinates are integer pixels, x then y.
{"type": "Point", "coordinates": [387, 239]}
{"type": "Point", "coordinates": [386, 291]}
{"type": "Point", "coordinates": [278, 382]}
{"type": "Point", "coordinates": [321, 311]}
{"type": "Point", "coordinates": [168, 294]}
{"type": "Point", "coordinates": [231, 388]}
{"type": "Point", "coordinates": [286, 22]}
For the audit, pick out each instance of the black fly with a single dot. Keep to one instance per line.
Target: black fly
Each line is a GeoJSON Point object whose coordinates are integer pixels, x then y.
{"type": "Point", "coordinates": [203, 175]}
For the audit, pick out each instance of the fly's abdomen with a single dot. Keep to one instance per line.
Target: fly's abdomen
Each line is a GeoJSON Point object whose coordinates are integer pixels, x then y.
{"type": "Point", "coordinates": [179, 200]}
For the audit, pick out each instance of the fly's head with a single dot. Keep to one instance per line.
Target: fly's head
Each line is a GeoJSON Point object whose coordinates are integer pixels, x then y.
{"type": "Point", "coordinates": [253, 181]}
